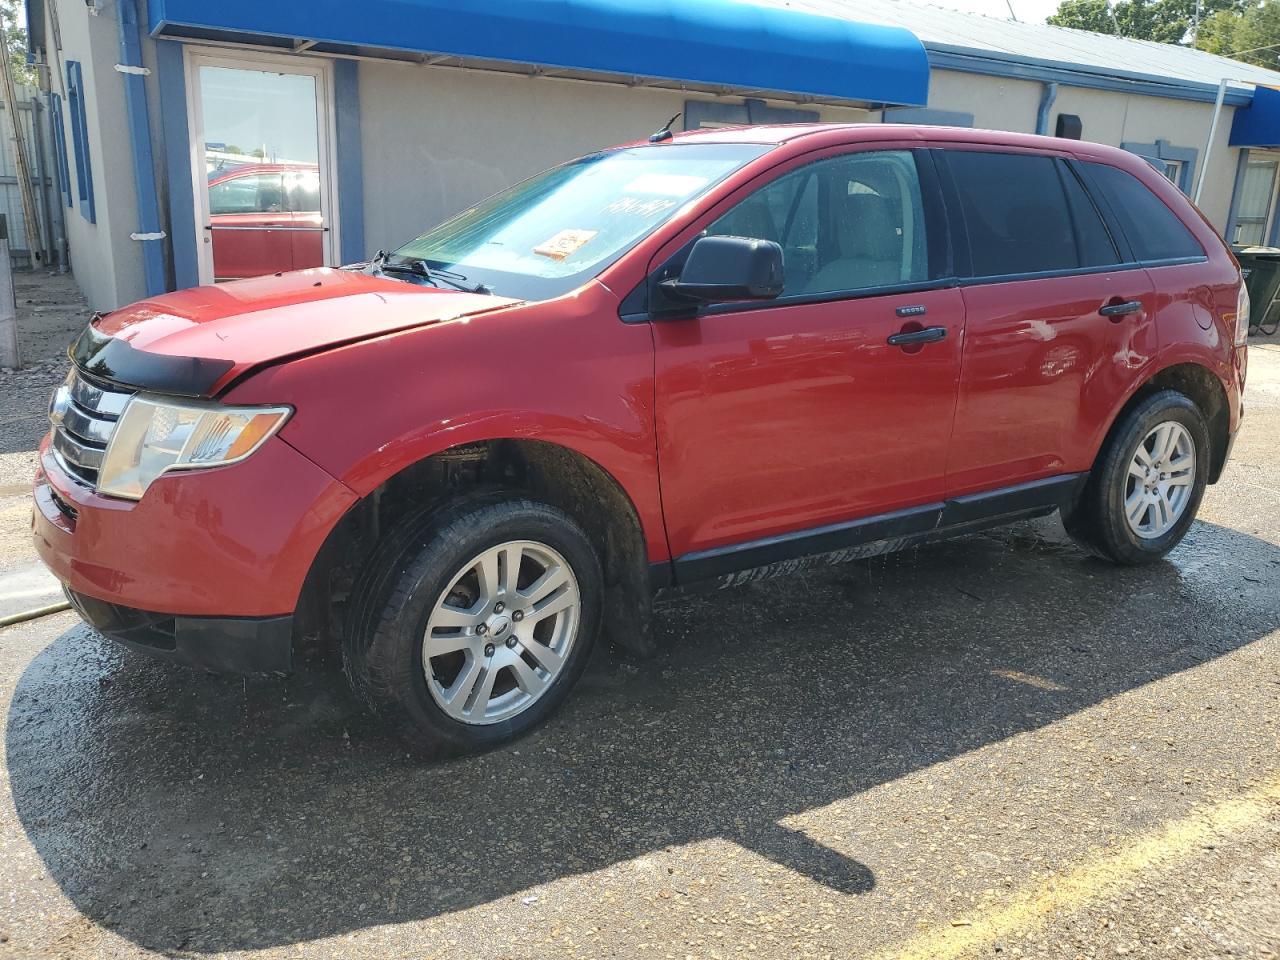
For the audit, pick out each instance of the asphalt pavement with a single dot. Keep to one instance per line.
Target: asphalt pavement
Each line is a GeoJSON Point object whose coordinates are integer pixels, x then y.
{"type": "Point", "coordinates": [992, 746]}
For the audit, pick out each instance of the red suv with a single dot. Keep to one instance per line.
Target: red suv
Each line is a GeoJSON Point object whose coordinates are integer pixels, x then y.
{"type": "Point", "coordinates": [694, 359]}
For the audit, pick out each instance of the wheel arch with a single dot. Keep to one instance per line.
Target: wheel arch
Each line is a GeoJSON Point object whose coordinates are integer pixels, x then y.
{"type": "Point", "coordinates": [1203, 387]}
{"type": "Point", "coordinates": [547, 471]}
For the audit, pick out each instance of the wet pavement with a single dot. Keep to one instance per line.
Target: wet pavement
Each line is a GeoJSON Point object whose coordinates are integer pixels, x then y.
{"type": "Point", "coordinates": [990, 746]}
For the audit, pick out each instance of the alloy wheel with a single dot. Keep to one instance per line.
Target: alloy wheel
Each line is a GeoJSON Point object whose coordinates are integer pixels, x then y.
{"type": "Point", "coordinates": [1160, 480]}
{"type": "Point", "coordinates": [501, 632]}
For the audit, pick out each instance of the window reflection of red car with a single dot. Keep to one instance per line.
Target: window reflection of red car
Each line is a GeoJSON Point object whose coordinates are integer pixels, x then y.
{"type": "Point", "coordinates": [265, 218]}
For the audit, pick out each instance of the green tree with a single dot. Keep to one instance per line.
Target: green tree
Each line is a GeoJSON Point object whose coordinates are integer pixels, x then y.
{"type": "Point", "coordinates": [1251, 35]}
{"type": "Point", "coordinates": [15, 35]}
{"type": "Point", "coordinates": [1164, 21]}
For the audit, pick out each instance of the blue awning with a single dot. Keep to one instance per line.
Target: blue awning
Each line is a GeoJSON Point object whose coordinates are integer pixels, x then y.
{"type": "Point", "coordinates": [706, 44]}
{"type": "Point", "coordinates": [1258, 125]}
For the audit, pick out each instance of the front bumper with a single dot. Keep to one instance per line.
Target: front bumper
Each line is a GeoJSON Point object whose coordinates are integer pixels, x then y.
{"type": "Point", "coordinates": [218, 644]}
{"type": "Point", "coordinates": [228, 543]}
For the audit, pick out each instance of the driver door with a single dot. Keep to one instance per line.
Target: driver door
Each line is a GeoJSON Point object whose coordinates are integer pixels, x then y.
{"type": "Point", "coordinates": [778, 419]}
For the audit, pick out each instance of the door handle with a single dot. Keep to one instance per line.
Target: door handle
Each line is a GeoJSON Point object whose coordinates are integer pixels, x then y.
{"type": "Point", "coordinates": [1121, 309]}
{"type": "Point", "coordinates": [910, 338]}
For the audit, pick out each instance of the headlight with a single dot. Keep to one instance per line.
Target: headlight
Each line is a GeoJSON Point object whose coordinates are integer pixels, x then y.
{"type": "Point", "coordinates": [1242, 315]}
{"type": "Point", "coordinates": [156, 435]}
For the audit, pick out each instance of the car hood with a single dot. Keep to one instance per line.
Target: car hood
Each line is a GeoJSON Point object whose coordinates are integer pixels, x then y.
{"type": "Point", "coordinates": [194, 342]}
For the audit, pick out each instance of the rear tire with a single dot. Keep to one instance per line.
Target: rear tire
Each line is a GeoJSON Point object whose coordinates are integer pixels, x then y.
{"type": "Point", "coordinates": [1146, 486]}
{"type": "Point", "coordinates": [471, 629]}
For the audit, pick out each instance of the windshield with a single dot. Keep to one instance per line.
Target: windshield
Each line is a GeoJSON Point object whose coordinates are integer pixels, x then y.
{"type": "Point", "coordinates": [549, 234]}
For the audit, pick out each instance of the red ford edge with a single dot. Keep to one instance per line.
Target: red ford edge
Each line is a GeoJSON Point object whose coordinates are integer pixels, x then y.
{"type": "Point", "coordinates": [712, 356]}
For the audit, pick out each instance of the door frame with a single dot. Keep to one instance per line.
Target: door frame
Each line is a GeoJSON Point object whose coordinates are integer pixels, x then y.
{"type": "Point", "coordinates": [1271, 224]}
{"type": "Point", "coordinates": [194, 57]}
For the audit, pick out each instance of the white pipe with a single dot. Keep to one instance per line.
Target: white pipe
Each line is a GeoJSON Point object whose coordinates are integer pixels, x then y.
{"type": "Point", "coordinates": [1208, 144]}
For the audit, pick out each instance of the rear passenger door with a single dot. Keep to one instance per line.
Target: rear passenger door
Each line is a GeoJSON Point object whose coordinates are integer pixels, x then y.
{"type": "Point", "coordinates": [1059, 319]}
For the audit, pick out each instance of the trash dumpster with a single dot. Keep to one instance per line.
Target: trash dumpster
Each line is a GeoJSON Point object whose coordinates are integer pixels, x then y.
{"type": "Point", "coordinates": [1261, 269]}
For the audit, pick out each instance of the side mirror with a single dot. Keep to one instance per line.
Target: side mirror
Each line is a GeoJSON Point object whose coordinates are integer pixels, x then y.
{"type": "Point", "coordinates": [723, 269]}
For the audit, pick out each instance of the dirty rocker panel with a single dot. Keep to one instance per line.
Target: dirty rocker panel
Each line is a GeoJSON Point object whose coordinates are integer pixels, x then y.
{"type": "Point", "coordinates": [869, 536]}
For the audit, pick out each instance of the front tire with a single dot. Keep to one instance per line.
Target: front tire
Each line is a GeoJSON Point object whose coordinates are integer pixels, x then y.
{"type": "Point", "coordinates": [1147, 484]}
{"type": "Point", "coordinates": [475, 629]}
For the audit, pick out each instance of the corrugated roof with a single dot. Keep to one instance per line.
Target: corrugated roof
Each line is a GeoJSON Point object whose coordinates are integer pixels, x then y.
{"type": "Point", "coordinates": [954, 31]}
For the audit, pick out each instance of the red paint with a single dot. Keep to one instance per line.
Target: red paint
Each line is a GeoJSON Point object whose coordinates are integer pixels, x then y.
{"type": "Point", "coordinates": [797, 416]}
{"type": "Point", "coordinates": [251, 322]}
{"type": "Point", "coordinates": [233, 541]}
{"type": "Point", "coordinates": [719, 429]}
{"type": "Point", "coordinates": [1041, 373]}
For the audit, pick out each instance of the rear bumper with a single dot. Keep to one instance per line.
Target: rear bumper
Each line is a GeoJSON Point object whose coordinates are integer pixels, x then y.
{"type": "Point", "coordinates": [219, 644]}
{"type": "Point", "coordinates": [1217, 466]}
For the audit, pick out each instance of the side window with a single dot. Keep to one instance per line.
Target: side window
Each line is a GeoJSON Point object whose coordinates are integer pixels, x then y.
{"type": "Point", "coordinates": [1094, 245]}
{"type": "Point", "coordinates": [844, 224]}
{"type": "Point", "coordinates": [258, 193]}
{"type": "Point", "coordinates": [1015, 211]}
{"type": "Point", "coordinates": [1154, 230]}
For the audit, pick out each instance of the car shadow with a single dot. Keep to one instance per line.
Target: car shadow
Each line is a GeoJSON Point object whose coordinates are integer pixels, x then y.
{"type": "Point", "coordinates": [200, 814]}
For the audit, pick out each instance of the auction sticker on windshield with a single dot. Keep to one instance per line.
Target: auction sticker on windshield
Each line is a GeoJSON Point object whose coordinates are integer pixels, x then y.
{"type": "Point", "coordinates": [565, 243]}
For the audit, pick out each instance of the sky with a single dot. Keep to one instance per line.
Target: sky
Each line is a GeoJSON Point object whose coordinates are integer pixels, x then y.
{"type": "Point", "coordinates": [1028, 11]}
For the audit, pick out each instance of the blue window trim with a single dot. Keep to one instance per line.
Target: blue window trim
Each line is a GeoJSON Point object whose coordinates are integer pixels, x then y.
{"type": "Point", "coordinates": [1241, 166]}
{"type": "Point", "coordinates": [172, 77]}
{"type": "Point", "coordinates": [347, 150]}
{"type": "Point", "coordinates": [60, 147]}
{"type": "Point", "coordinates": [1163, 150]}
{"type": "Point", "coordinates": [80, 140]}
{"type": "Point", "coordinates": [696, 112]}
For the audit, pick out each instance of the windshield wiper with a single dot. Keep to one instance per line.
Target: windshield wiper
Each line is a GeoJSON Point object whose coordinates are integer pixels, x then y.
{"type": "Point", "coordinates": [419, 268]}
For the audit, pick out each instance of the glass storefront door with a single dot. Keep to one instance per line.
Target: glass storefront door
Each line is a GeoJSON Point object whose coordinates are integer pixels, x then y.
{"type": "Point", "coordinates": [261, 153]}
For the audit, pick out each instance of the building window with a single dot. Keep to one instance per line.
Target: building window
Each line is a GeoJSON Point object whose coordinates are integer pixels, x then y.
{"type": "Point", "coordinates": [60, 147]}
{"type": "Point", "coordinates": [80, 140]}
{"type": "Point", "coordinates": [1176, 163]}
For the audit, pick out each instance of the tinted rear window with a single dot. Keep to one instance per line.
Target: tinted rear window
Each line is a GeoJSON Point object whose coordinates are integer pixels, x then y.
{"type": "Point", "coordinates": [1152, 228]}
{"type": "Point", "coordinates": [1020, 219]}
{"type": "Point", "coordinates": [1093, 240]}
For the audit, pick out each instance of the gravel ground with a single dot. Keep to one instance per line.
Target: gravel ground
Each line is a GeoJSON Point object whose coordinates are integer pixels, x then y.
{"type": "Point", "coordinates": [50, 314]}
{"type": "Point", "coordinates": [988, 747]}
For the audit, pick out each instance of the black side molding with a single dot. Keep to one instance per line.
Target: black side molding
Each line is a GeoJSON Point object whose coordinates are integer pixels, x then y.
{"type": "Point", "coordinates": [878, 534]}
{"type": "Point", "coordinates": [707, 564]}
{"type": "Point", "coordinates": [1010, 501]}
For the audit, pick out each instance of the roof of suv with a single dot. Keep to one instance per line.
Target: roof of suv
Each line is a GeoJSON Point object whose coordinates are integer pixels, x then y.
{"type": "Point", "coordinates": [853, 132]}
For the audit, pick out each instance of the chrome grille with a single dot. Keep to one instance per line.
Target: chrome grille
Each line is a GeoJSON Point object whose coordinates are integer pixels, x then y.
{"type": "Point", "coordinates": [84, 415]}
